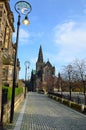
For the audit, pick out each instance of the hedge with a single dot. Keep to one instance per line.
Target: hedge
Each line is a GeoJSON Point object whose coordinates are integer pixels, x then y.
{"type": "Point", "coordinates": [69, 103]}
{"type": "Point", "coordinates": [17, 91]}
{"type": "Point", "coordinates": [66, 102]}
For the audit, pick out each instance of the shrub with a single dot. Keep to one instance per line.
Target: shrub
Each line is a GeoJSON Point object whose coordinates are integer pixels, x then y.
{"type": "Point", "coordinates": [59, 99]}
{"type": "Point", "coordinates": [18, 91]}
{"type": "Point", "coordinates": [8, 90]}
{"type": "Point", "coordinates": [66, 102]}
{"type": "Point", "coordinates": [9, 93]}
{"type": "Point", "coordinates": [76, 106]}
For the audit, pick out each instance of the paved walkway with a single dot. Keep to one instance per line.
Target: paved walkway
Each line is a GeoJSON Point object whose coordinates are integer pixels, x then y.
{"type": "Point", "coordinates": [41, 113]}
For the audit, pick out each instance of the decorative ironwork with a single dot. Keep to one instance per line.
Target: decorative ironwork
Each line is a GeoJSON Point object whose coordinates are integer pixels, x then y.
{"type": "Point", "coordinates": [23, 7]}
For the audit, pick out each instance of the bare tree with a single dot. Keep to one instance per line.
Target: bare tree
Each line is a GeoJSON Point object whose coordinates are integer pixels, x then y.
{"type": "Point", "coordinates": [59, 82]}
{"type": "Point", "coordinates": [68, 76]}
{"type": "Point", "coordinates": [50, 83]}
{"type": "Point", "coordinates": [80, 71]}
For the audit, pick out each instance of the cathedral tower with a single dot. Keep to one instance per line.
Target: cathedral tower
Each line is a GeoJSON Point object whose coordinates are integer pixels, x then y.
{"type": "Point", "coordinates": [39, 63]}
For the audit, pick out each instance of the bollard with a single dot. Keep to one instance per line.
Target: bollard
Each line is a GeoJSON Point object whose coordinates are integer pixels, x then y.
{"type": "Point", "coordinates": [82, 107]}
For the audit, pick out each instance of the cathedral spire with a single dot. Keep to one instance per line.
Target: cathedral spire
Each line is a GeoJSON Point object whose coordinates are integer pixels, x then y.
{"type": "Point", "coordinates": [40, 55]}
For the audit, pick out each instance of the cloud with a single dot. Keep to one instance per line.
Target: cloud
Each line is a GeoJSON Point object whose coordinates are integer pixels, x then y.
{"type": "Point", "coordinates": [26, 37]}
{"type": "Point", "coordinates": [70, 37]}
{"type": "Point", "coordinates": [70, 33]}
{"type": "Point", "coordinates": [37, 34]}
{"type": "Point", "coordinates": [23, 36]}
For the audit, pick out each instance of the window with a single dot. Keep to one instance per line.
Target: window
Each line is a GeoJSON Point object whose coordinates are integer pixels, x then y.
{"type": "Point", "coordinates": [10, 73]}
{"type": "Point", "coordinates": [0, 44]}
{"type": "Point", "coordinates": [0, 13]}
{"type": "Point", "coordinates": [3, 72]}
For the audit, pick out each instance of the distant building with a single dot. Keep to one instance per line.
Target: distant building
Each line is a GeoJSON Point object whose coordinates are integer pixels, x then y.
{"type": "Point", "coordinates": [44, 72]}
{"type": "Point", "coordinates": [32, 86]}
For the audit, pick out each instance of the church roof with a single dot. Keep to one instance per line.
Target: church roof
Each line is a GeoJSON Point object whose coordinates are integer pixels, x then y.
{"type": "Point", "coordinates": [48, 64]}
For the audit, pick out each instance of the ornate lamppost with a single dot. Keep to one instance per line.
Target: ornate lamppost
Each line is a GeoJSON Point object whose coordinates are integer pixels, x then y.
{"type": "Point", "coordinates": [24, 8]}
{"type": "Point", "coordinates": [27, 64]}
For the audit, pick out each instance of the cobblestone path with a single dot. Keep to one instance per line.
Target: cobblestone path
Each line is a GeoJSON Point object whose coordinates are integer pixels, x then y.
{"type": "Point", "coordinates": [43, 113]}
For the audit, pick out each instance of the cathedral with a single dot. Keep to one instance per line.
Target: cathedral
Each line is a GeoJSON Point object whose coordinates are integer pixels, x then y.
{"type": "Point", "coordinates": [43, 74]}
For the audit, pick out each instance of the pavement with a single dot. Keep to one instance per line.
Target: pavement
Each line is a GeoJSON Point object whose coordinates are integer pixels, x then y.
{"type": "Point", "coordinates": [38, 112]}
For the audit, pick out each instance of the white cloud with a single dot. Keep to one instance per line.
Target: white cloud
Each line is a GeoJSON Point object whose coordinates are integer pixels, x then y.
{"type": "Point", "coordinates": [26, 37]}
{"type": "Point", "coordinates": [37, 34]}
{"type": "Point", "coordinates": [70, 37]}
{"type": "Point", "coordinates": [22, 34]}
{"type": "Point", "coordinates": [70, 33]}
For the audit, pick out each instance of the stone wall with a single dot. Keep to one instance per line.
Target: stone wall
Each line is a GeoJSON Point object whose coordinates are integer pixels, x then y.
{"type": "Point", "coordinates": [6, 110]}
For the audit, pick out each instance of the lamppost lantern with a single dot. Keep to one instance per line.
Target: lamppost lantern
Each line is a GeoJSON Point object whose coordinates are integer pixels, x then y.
{"type": "Point", "coordinates": [26, 21]}
{"type": "Point", "coordinates": [27, 64]}
{"type": "Point", "coordinates": [22, 8]}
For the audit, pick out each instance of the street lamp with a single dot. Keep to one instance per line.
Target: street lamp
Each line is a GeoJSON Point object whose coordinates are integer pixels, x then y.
{"type": "Point", "coordinates": [24, 8]}
{"type": "Point", "coordinates": [27, 64]}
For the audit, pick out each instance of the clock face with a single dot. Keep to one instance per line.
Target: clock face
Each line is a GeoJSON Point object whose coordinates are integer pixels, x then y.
{"type": "Point", "coordinates": [23, 7]}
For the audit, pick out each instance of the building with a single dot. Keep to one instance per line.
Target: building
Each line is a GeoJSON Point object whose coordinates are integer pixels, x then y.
{"type": "Point", "coordinates": [44, 73]}
{"type": "Point", "coordinates": [32, 85]}
{"type": "Point", "coordinates": [7, 48]}
{"type": "Point", "coordinates": [6, 45]}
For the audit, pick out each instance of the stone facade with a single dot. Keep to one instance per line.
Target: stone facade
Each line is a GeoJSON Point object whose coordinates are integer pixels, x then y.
{"type": "Point", "coordinates": [6, 45]}
{"type": "Point", "coordinates": [44, 72]}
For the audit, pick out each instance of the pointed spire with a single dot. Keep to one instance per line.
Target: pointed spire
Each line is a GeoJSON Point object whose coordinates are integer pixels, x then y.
{"type": "Point", "coordinates": [40, 55]}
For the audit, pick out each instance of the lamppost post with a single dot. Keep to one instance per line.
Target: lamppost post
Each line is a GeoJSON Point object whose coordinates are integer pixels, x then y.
{"type": "Point", "coordinates": [21, 7]}
{"type": "Point", "coordinates": [1, 124]}
{"type": "Point", "coordinates": [14, 72]}
{"type": "Point", "coordinates": [85, 90]}
{"type": "Point", "coordinates": [70, 78]}
{"type": "Point", "coordinates": [27, 63]}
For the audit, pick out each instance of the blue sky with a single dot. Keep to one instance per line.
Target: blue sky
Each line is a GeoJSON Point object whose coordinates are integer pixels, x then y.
{"type": "Point", "coordinates": [59, 26]}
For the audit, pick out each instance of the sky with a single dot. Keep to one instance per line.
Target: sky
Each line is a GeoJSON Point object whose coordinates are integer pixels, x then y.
{"type": "Point", "coordinates": [59, 26]}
